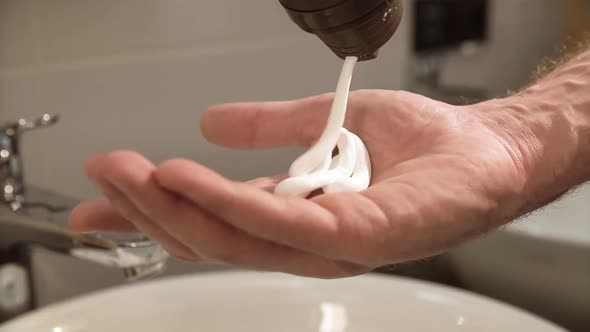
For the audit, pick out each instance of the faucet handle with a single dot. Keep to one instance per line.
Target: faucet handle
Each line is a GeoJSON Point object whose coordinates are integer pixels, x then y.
{"type": "Point", "coordinates": [12, 189]}
{"type": "Point", "coordinates": [24, 124]}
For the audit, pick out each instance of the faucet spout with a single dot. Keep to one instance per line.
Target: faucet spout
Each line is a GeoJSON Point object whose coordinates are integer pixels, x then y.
{"type": "Point", "coordinates": [137, 260]}
{"type": "Point", "coordinates": [31, 215]}
{"type": "Point", "coordinates": [12, 187]}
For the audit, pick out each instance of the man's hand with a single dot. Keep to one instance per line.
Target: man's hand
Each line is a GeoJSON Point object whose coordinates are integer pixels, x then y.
{"type": "Point", "coordinates": [441, 175]}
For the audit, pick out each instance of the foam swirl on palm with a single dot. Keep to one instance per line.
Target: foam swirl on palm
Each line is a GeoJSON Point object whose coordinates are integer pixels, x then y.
{"type": "Point", "coordinates": [349, 170]}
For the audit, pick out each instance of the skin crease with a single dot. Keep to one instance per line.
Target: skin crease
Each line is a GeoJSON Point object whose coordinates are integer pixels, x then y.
{"type": "Point", "coordinates": [442, 175]}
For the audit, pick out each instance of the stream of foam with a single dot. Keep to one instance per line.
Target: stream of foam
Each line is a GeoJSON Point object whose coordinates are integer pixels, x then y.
{"type": "Point", "coordinates": [349, 170]}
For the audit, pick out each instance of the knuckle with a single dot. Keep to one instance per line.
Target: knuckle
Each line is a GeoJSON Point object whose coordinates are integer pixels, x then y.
{"type": "Point", "coordinates": [171, 164]}
{"type": "Point", "coordinates": [363, 93]}
{"type": "Point", "coordinates": [120, 163]}
{"type": "Point", "coordinates": [127, 168]}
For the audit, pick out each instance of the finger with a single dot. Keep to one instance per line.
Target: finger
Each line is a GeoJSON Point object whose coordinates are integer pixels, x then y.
{"type": "Point", "coordinates": [214, 238]}
{"type": "Point", "coordinates": [99, 215]}
{"type": "Point", "coordinates": [98, 169]}
{"type": "Point", "coordinates": [294, 222]}
{"type": "Point", "coordinates": [267, 124]}
{"type": "Point", "coordinates": [428, 217]}
{"type": "Point", "coordinates": [268, 183]}
{"type": "Point", "coordinates": [151, 230]}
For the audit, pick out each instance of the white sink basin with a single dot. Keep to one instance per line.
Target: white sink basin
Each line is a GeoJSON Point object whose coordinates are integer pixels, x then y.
{"type": "Point", "coordinates": [541, 262]}
{"type": "Point", "coordinates": [248, 301]}
{"type": "Point", "coordinates": [566, 221]}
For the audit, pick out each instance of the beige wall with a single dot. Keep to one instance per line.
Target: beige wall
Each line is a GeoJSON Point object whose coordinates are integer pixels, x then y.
{"type": "Point", "coordinates": [136, 74]}
{"type": "Point", "coordinates": [577, 23]}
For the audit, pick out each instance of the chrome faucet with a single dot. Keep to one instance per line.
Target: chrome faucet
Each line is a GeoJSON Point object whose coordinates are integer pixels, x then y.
{"type": "Point", "coordinates": [11, 169]}
{"type": "Point", "coordinates": [31, 215]}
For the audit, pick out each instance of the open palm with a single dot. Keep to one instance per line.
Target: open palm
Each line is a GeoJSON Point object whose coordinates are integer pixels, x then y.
{"type": "Point", "coordinates": [440, 177]}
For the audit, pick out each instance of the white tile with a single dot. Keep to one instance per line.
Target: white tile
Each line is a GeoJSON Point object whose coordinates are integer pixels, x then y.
{"type": "Point", "coordinates": [137, 74]}
{"type": "Point", "coordinates": [153, 106]}
{"type": "Point", "coordinates": [16, 42]}
{"type": "Point", "coordinates": [19, 97]}
{"type": "Point", "coordinates": [74, 29]}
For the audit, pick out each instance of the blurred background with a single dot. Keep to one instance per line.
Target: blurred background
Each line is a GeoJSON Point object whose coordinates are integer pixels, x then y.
{"type": "Point", "coordinates": [129, 74]}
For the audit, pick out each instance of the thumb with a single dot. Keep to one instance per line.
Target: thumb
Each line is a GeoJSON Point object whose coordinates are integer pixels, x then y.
{"type": "Point", "coordinates": [267, 124]}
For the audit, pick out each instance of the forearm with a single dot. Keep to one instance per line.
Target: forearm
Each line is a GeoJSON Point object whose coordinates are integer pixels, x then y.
{"type": "Point", "coordinates": [547, 127]}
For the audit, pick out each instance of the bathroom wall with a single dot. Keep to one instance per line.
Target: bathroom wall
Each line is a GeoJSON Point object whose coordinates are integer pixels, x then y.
{"type": "Point", "coordinates": [521, 34]}
{"type": "Point", "coordinates": [128, 74]}
{"type": "Point", "coordinates": [136, 74]}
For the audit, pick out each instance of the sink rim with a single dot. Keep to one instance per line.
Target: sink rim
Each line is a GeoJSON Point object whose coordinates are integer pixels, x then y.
{"type": "Point", "coordinates": [281, 280]}
{"type": "Point", "coordinates": [529, 228]}
{"type": "Point", "coordinates": [564, 221]}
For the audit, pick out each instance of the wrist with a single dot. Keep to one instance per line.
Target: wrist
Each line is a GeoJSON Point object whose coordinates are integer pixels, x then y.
{"type": "Point", "coordinates": [545, 139]}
